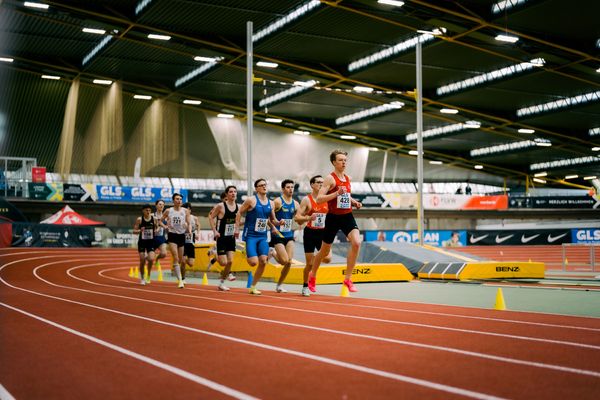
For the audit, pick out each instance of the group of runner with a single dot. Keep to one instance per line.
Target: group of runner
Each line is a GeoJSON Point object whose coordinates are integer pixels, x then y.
{"type": "Point", "coordinates": [325, 211]}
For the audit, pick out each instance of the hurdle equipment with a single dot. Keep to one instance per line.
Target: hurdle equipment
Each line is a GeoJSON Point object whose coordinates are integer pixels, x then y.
{"type": "Point", "coordinates": [500, 305]}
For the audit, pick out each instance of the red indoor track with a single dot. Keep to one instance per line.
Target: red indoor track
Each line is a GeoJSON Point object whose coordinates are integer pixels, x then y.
{"type": "Point", "coordinates": [74, 325]}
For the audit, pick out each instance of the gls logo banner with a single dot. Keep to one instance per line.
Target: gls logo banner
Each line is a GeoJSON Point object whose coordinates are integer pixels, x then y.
{"type": "Point", "coordinates": [586, 235]}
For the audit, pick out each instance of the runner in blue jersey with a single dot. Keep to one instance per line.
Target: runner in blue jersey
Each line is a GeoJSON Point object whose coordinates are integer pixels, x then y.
{"type": "Point", "coordinates": [286, 209]}
{"type": "Point", "coordinates": [259, 217]}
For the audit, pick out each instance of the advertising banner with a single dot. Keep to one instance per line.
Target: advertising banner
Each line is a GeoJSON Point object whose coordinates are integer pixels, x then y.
{"type": "Point", "coordinates": [38, 174]}
{"type": "Point", "coordinates": [205, 196]}
{"type": "Point", "coordinates": [572, 202]}
{"type": "Point", "coordinates": [434, 201]}
{"type": "Point", "coordinates": [590, 235]}
{"type": "Point", "coordinates": [136, 194]}
{"type": "Point", "coordinates": [440, 238]}
{"type": "Point", "coordinates": [46, 191]}
{"type": "Point", "coordinates": [41, 235]}
{"type": "Point", "coordinates": [519, 237]}
{"type": "Point", "coordinates": [79, 192]}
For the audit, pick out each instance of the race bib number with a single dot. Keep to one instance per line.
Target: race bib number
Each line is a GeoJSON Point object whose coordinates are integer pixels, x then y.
{"type": "Point", "coordinates": [147, 234]}
{"type": "Point", "coordinates": [319, 221]}
{"type": "Point", "coordinates": [260, 225]}
{"type": "Point", "coordinates": [287, 225]}
{"type": "Point", "coordinates": [343, 201]}
{"type": "Point", "coordinates": [176, 221]}
{"type": "Point", "coordinates": [188, 238]}
{"type": "Point", "coordinates": [229, 229]}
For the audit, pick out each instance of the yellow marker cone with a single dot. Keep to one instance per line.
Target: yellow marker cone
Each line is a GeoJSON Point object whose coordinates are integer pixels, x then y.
{"type": "Point", "coordinates": [146, 275]}
{"type": "Point", "coordinates": [131, 272]}
{"type": "Point", "coordinates": [500, 304]}
{"type": "Point", "coordinates": [204, 279]}
{"type": "Point", "coordinates": [160, 277]}
{"type": "Point", "coordinates": [136, 272]}
{"type": "Point", "coordinates": [345, 292]}
{"type": "Point", "coordinates": [566, 261]}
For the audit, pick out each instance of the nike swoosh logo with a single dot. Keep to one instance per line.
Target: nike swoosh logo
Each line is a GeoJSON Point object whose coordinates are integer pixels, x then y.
{"type": "Point", "coordinates": [477, 239]}
{"type": "Point", "coordinates": [525, 239]}
{"type": "Point", "coordinates": [503, 239]}
{"type": "Point", "coordinates": [555, 238]}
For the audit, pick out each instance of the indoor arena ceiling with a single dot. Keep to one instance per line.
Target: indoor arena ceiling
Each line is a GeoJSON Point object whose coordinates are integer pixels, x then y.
{"type": "Point", "coordinates": [518, 105]}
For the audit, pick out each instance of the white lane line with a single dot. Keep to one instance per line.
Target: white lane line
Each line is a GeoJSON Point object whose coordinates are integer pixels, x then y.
{"type": "Point", "coordinates": [5, 394]}
{"type": "Point", "coordinates": [470, 331]}
{"type": "Point", "coordinates": [334, 331]}
{"type": "Point", "coordinates": [325, 360]}
{"type": "Point", "coordinates": [155, 363]}
{"type": "Point", "coordinates": [403, 310]}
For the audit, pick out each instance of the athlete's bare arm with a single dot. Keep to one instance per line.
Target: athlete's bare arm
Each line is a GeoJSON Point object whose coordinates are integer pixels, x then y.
{"type": "Point", "coordinates": [136, 225]}
{"type": "Point", "coordinates": [328, 183]}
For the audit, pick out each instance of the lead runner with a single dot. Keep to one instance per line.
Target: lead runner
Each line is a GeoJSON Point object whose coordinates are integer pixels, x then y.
{"type": "Point", "coordinates": [336, 192]}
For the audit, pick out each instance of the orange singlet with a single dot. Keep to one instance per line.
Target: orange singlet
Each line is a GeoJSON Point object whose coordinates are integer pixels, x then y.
{"type": "Point", "coordinates": [341, 204]}
{"type": "Point", "coordinates": [320, 210]}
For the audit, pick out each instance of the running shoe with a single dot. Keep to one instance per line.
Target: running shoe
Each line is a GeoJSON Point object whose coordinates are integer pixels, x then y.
{"type": "Point", "coordinates": [231, 277]}
{"type": "Point", "coordinates": [254, 290]}
{"type": "Point", "coordinates": [223, 288]}
{"type": "Point", "coordinates": [148, 280]}
{"type": "Point", "coordinates": [350, 285]}
{"type": "Point", "coordinates": [280, 289]}
{"type": "Point", "coordinates": [312, 284]}
{"type": "Point", "coordinates": [305, 292]}
{"type": "Point", "coordinates": [143, 282]}
{"type": "Point", "coordinates": [181, 284]}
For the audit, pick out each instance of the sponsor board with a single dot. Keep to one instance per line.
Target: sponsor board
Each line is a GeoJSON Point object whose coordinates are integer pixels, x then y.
{"type": "Point", "coordinates": [440, 238]}
{"type": "Point", "coordinates": [571, 202]}
{"type": "Point", "coordinates": [43, 235]}
{"type": "Point", "coordinates": [590, 235]}
{"type": "Point", "coordinates": [136, 194]}
{"type": "Point", "coordinates": [46, 191]}
{"type": "Point", "coordinates": [79, 192]}
{"type": "Point", "coordinates": [518, 237]}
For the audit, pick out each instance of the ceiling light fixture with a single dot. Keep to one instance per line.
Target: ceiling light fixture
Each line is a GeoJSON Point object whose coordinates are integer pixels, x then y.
{"type": "Point", "coordinates": [208, 59]}
{"type": "Point", "coordinates": [595, 148]}
{"type": "Point", "coordinates": [566, 162]}
{"type": "Point", "coordinates": [478, 166]}
{"type": "Point", "coordinates": [301, 133]}
{"type": "Point", "coordinates": [562, 103]}
{"type": "Point", "coordinates": [538, 180]}
{"type": "Point", "coordinates": [413, 152]}
{"type": "Point", "coordinates": [394, 3]}
{"type": "Point", "coordinates": [390, 51]}
{"type": "Point", "coordinates": [141, 5]}
{"type": "Point", "coordinates": [363, 89]}
{"type": "Point", "coordinates": [571, 176]}
{"type": "Point", "coordinates": [435, 162]}
{"type": "Point", "coordinates": [7, 59]}
{"type": "Point", "coordinates": [267, 64]}
{"type": "Point", "coordinates": [192, 102]}
{"type": "Point", "coordinates": [299, 87]}
{"type": "Point", "coordinates": [286, 19]}
{"type": "Point", "coordinates": [96, 49]}
{"type": "Point", "coordinates": [105, 82]}
{"type": "Point", "coordinates": [540, 174]}
{"type": "Point", "coordinates": [443, 130]}
{"type": "Point", "coordinates": [509, 147]}
{"type": "Point", "coordinates": [198, 71]}
{"type": "Point", "coordinates": [505, 5]}
{"type": "Point", "coordinates": [94, 31]}
{"type": "Point", "coordinates": [226, 116]}
{"type": "Point", "coordinates": [507, 38]}
{"type": "Point", "coordinates": [274, 120]}
{"type": "Point", "coordinates": [594, 131]}
{"type": "Point", "coordinates": [490, 76]}
{"type": "Point", "coordinates": [142, 97]}
{"type": "Point", "coordinates": [369, 112]}
{"type": "Point", "coordinates": [373, 149]}
{"type": "Point", "coordinates": [449, 111]}
{"type": "Point", "coordinates": [51, 77]}
{"type": "Point", "coordinates": [158, 37]}
{"type": "Point", "coordinates": [598, 70]}
{"type": "Point", "coordinates": [32, 4]}
{"type": "Point", "coordinates": [347, 137]}
{"type": "Point", "coordinates": [525, 130]}
{"type": "Point", "coordinates": [589, 178]}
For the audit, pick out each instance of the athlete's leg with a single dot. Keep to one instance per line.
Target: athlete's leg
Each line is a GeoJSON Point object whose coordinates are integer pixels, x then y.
{"type": "Point", "coordinates": [355, 240]}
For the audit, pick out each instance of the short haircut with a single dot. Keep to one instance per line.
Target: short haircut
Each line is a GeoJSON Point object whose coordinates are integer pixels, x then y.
{"type": "Point", "coordinates": [158, 201]}
{"type": "Point", "coordinates": [286, 182]}
{"type": "Point", "coordinates": [335, 153]}
{"type": "Point", "coordinates": [176, 194]}
{"type": "Point", "coordinates": [229, 187]}
{"type": "Point", "coordinates": [146, 206]}
{"type": "Point", "coordinates": [256, 182]}
{"type": "Point", "coordinates": [314, 178]}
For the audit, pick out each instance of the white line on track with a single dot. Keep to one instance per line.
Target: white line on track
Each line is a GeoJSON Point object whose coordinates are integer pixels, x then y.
{"type": "Point", "coordinates": [5, 394]}
{"type": "Point", "coordinates": [470, 331]}
{"type": "Point", "coordinates": [353, 305]}
{"type": "Point", "coordinates": [155, 363]}
{"type": "Point", "coordinates": [326, 360]}
{"type": "Point", "coordinates": [303, 326]}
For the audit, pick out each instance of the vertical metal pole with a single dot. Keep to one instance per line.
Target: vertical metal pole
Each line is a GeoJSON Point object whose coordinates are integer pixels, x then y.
{"type": "Point", "coordinates": [249, 101]}
{"type": "Point", "coordinates": [395, 168]}
{"type": "Point", "coordinates": [420, 214]}
{"type": "Point", "coordinates": [384, 167]}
